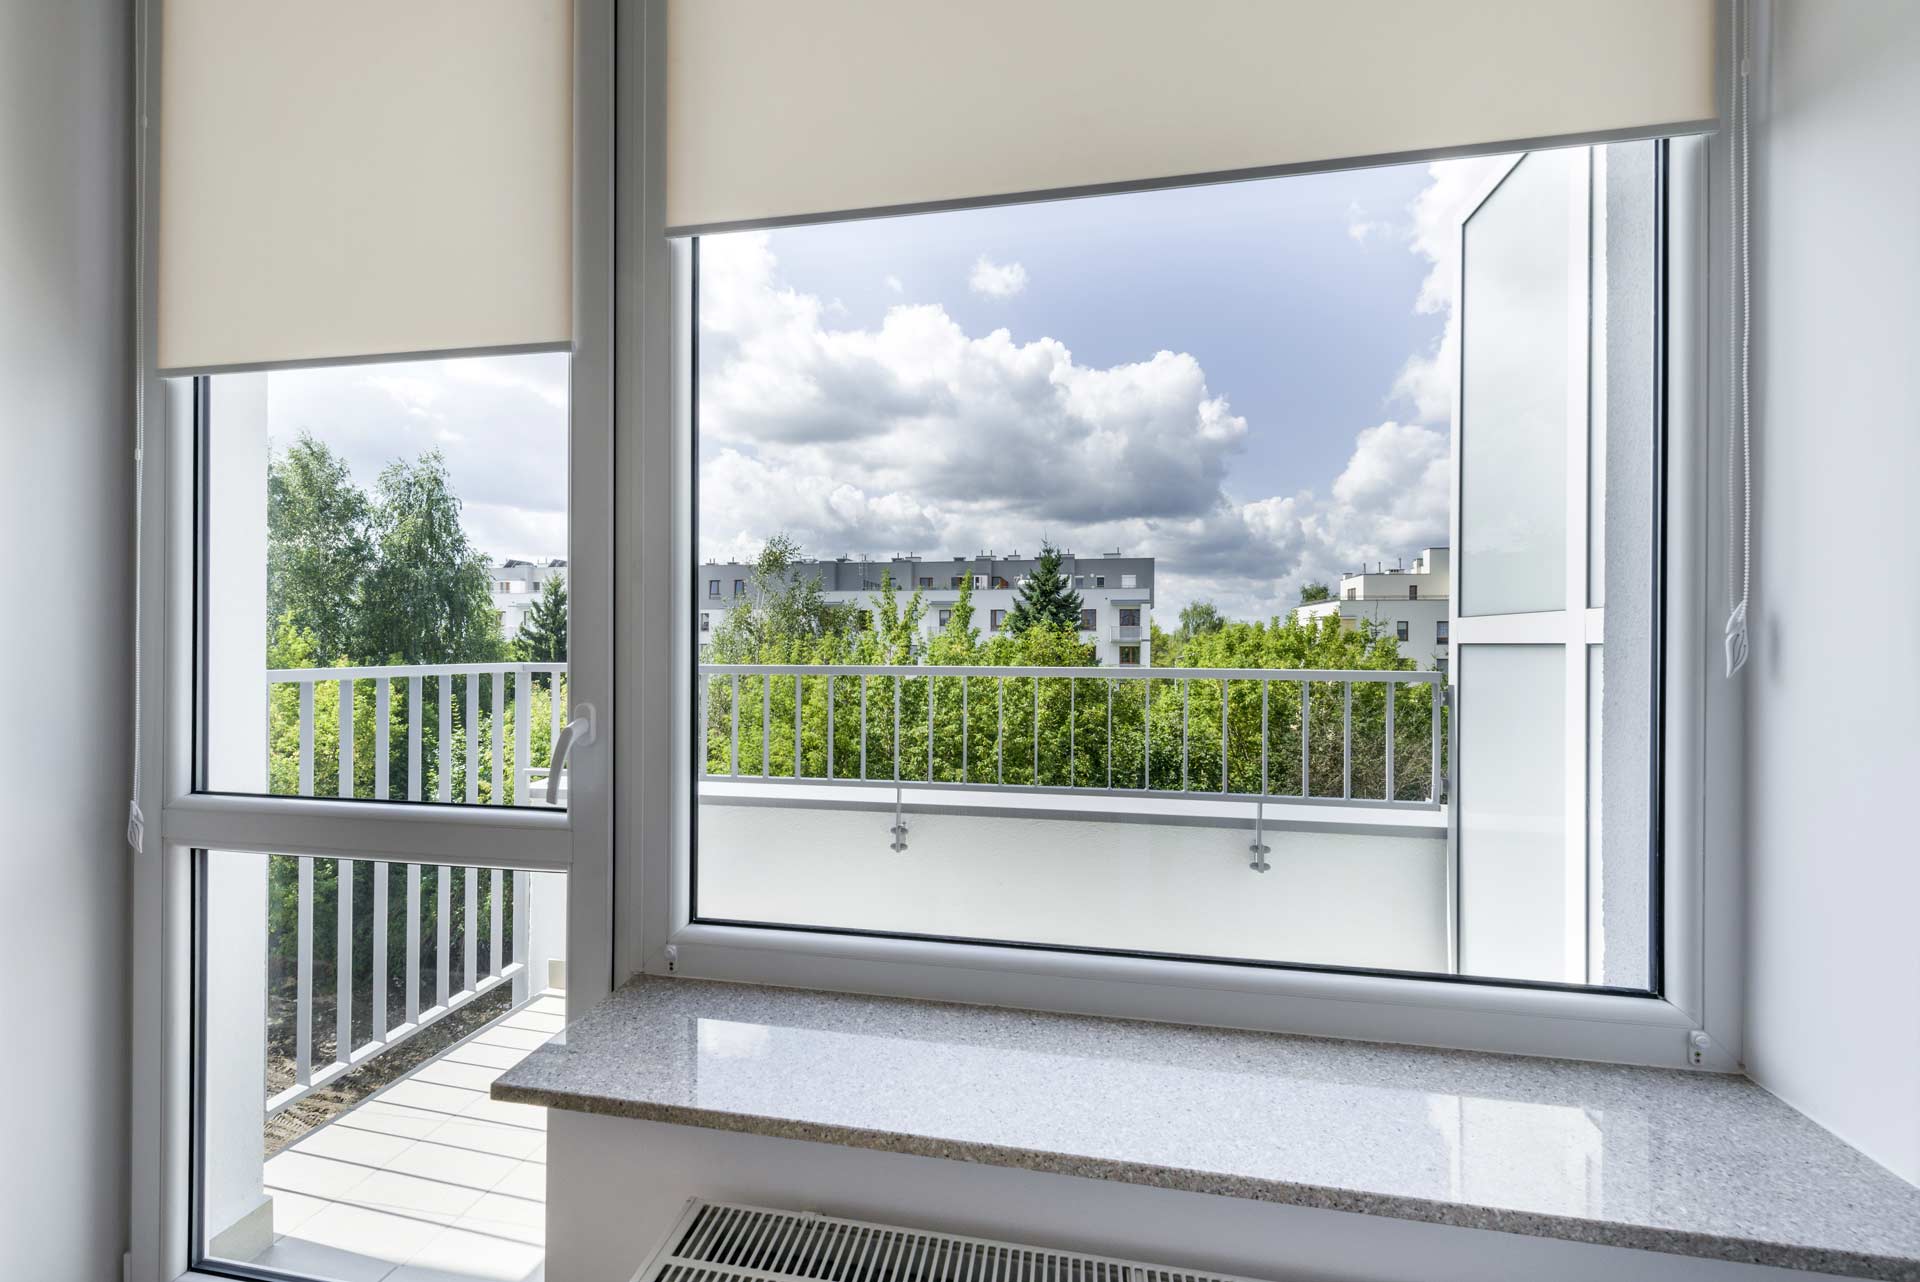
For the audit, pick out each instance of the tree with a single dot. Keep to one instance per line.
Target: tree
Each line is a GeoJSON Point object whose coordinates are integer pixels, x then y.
{"type": "Point", "coordinates": [319, 546]}
{"type": "Point", "coordinates": [1046, 598]}
{"type": "Point", "coordinates": [958, 643]}
{"type": "Point", "coordinates": [1311, 592]}
{"type": "Point", "coordinates": [786, 617]}
{"type": "Point", "coordinates": [543, 633]}
{"type": "Point", "coordinates": [1200, 617]}
{"type": "Point", "coordinates": [426, 598]}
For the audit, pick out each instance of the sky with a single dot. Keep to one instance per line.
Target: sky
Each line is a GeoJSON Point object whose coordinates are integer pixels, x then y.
{"type": "Point", "coordinates": [1246, 381]}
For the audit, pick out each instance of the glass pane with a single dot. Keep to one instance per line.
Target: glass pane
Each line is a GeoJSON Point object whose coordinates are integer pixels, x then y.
{"type": "Point", "coordinates": [1515, 330]}
{"type": "Point", "coordinates": [1522, 884]}
{"type": "Point", "coordinates": [383, 580]}
{"type": "Point", "coordinates": [1621, 453]}
{"type": "Point", "coordinates": [347, 1164]}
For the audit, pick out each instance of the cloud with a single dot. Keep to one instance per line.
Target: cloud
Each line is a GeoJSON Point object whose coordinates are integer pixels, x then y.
{"type": "Point", "coordinates": [893, 283]}
{"type": "Point", "coordinates": [916, 436]}
{"type": "Point", "coordinates": [1426, 381]}
{"type": "Point", "coordinates": [500, 422]}
{"type": "Point", "coordinates": [995, 281]}
{"type": "Point", "coordinates": [1362, 229]}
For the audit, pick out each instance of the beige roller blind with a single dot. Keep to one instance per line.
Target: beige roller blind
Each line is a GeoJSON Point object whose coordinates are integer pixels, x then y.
{"type": "Point", "coordinates": [788, 110]}
{"type": "Point", "coordinates": [362, 178]}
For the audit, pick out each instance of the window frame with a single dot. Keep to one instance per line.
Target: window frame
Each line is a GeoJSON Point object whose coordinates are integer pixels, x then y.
{"type": "Point", "coordinates": [182, 823]}
{"type": "Point", "coordinates": [1694, 1022]}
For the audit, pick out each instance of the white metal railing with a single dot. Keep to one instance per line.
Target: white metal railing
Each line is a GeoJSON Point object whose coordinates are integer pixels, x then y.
{"type": "Point", "coordinates": [990, 708]}
{"type": "Point", "coordinates": [308, 1078]}
{"type": "Point", "coordinates": [1127, 632]}
{"type": "Point", "coordinates": [476, 697]}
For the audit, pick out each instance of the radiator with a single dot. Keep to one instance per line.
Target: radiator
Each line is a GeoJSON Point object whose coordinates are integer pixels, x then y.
{"type": "Point", "coordinates": [727, 1242]}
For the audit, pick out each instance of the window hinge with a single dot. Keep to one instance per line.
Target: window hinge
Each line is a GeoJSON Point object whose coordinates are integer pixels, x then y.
{"type": "Point", "coordinates": [1702, 1050]}
{"type": "Point", "coordinates": [673, 959]}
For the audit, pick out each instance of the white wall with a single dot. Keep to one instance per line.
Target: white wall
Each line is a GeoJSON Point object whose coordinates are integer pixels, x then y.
{"type": "Point", "coordinates": [1833, 984]}
{"type": "Point", "coordinates": [65, 464]}
{"type": "Point", "coordinates": [1330, 897]}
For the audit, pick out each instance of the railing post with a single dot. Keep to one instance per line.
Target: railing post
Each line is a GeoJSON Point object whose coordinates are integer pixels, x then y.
{"type": "Point", "coordinates": [522, 736]}
{"type": "Point", "coordinates": [470, 929]}
{"type": "Point", "coordinates": [497, 736]}
{"type": "Point", "coordinates": [475, 721]}
{"type": "Point", "coordinates": [346, 739]}
{"type": "Point", "coordinates": [1346, 742]}
{"type": "Point", "coordinates": [733, 709]}
{"type": "Point", "coordinates": [1223, 735]}
{"type": "Point", "coordinates": [306, 738]}
{"type": "Point", "coordinates": [416, 722]}
{"type": "Point", "coordinates": [343, 963]}
{"type": "Point", "coordinates": [766, 724]}
{"type": "Point", "coordinates": [413, 944]}
{"type": "Point", "coordinates": [1393, 688]}
{"type": "Point", "coordinates": [443, 898]}
{"type": "Point", "coordinates": [1306, 736]}
{"type": "Point", "coordinates": [1266, 780]}
{"type": "Point", "coordinates": [496, 936]}
{"type": "Point", "coordinates": [829, 725]}
{"type": "Point", "coordinates": [380, 976]}
{"type": "Point", "coordinates": [303, 965]}
{"type": "Point", "coordinates": [443, 684]}
{"type": "Point", "coordinates": [382, 735]}
{"type": "Point", "coordinates": [524, 983]}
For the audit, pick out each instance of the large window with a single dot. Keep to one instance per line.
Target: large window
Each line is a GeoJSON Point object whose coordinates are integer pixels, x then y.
{"type": "Point", "coordinates": [1362, 408]}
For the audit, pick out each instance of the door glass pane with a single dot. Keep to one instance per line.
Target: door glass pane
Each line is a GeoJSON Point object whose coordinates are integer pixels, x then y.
{"type": "Point", "coordinates": [354, 1014]}
{"type": "Point", "coordinates": [383, 580]}
{"type": "Point", "coordinates": [1515, 324]}
{"type": "Point", "coordinates": [1518, 872]}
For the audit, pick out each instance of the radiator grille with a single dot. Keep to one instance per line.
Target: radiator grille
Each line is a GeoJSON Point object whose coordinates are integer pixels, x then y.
{"type": "Point", "coordinates": [726, 1242]}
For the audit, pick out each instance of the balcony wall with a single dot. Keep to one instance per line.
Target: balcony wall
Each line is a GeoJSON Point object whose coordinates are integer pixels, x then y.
{"type": "Point", "coordinates": [1357, 888]}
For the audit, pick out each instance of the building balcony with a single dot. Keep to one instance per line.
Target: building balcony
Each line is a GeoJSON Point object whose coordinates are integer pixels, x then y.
{"type": "Point", "coordinates": [1128, 632]}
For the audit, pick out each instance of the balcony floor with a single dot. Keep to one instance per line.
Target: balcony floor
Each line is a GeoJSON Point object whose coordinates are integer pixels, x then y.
{"type": "Point", "coordinates": [428, 1180]}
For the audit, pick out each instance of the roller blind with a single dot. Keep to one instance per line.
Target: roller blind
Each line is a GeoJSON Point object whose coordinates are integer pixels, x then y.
{"type": "Point", "coordinates": [787, 111]}
{"type": "Point", "coordinates": [361, 178]}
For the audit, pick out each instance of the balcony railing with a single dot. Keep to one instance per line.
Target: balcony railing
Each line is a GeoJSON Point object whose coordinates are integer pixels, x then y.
{"type": "Point", "coordinates": [1304, 737]}
{"type": "Point", "coordinates": [440, 732]}
{"type": "Point", "coordinates": [1127, 632]}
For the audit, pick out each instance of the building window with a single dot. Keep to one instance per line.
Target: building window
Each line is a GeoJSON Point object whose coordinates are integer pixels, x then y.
{"type": "Point", "coordinates": [739, 587]}
{"type": "Point", "coordinates": [1353, 594]}
{"type": "Point", "coordinates": [1440, 632]}
{"type": "Point", "coordinates": [706, 621]}
{"type": "Point", "coordinates": [1129, 656]}
{"type": "Point", "coordinates": [953, 584]}
{"type": "Point", "coordinates": [1099, 580]}
{"type": "Point", "coordinates": [995, 619]}
{"type": "Point", "coordinates": [1400, 630]}
{"type": "Point", "coordinates": [1129, 581]}
{"type": "Point", "coordinates": [946, 617]}
{"type": "Point", "coordinates": [713, 588]}
{"type": "Point", "coordinates": [1413, 591]}
{"type": "Point", "coordinates": [926, 581]}
{"type": "Point", "coordinates": [1089, 620]}
{"type": "Point", "coordinates": [1130, 616]}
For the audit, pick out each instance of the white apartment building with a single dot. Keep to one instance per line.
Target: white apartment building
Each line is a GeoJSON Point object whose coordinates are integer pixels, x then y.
{"type": "Point", "coordinates": [1116, 593]}
{"type": "Point", "coordinates": [1409, 605]}
{"type": "Point", "coordinates": [515, 585]}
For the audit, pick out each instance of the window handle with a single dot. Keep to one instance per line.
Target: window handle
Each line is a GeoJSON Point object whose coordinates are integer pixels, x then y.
{"type": "Point", "coordinates": [577, 733]}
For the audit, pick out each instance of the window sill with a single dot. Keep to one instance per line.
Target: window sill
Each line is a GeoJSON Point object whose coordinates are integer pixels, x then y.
{"type": "Point", "coordinates": [1701, 1165]}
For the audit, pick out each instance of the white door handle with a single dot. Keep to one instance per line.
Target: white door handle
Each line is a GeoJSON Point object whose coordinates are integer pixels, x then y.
{"type": "Point", "coordinates": [577, 733]}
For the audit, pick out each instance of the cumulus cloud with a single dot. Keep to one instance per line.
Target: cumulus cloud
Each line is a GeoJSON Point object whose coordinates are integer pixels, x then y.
{"type": "Point", "coordinates": [916, 436]}
{"type": "Point", "coordinates": [993, 280]}
{"type": "Point", "coordinates": [894, 284]}
{"type": "Point", "coordinates": [1363, 229]}
{"type": "Point", "coordinates": [1426, 381]}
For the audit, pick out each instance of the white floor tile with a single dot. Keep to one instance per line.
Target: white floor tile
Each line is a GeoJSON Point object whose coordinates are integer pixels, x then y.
{"type": "Point", "coordinates": [291, 1209]}
{"type": "Point", "coordinates": [365, 1231]}
{"type": "Point", "coordinates": [502, 1057]}
{"type": "Point", "coordinates": [464, 1253]}
{"type": "Point", "coordinates": [523, 1038]}
{"type": "Point", "coordinates": [468, 1077]}
{"type": "Point", "coordinates": [383, 1115]}
{"type": "Point", "coordinates": [526, 1180]}
{"type": "Point", "coordinates": [448, 1100]}
{"type": "Point", "coordinates": [475, 1135]}
{"type": "Point", "coordinates": [352, 1144]}
{"type": "Point", "coordinates": [488, 1109]}
{"type": "Point", "coordinates": [506, 1216]}
{"type": "Point", "coordinates": [419, 1197]}
{"type": "Point", "coordinates": [315, 1259]}
{"type": "Point", "coordinates": [432, 1160]}
{"type": "Point", "coordinates": [315, 1176]}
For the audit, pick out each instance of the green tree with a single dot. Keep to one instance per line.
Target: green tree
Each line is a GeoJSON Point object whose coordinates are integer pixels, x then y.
{"type": "Point", "coordinates": [958, 643]}
{"type": "Point", "coordinates": [1046, 598]}
{"type": "Point", "coordinates": [786, 615]}
{"type": "Point", "coordinates": [1311, 592]}
{"type": "Point", "coordinates": [1199, 617]}
{"type": "Point", "coordinates": [425, 599]}
{"type": "Point", "coordinates": [543, 633]}
{"type": "Point", "coordinates": [319, 546]}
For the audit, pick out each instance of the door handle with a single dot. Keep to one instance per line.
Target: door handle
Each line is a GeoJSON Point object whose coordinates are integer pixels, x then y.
{"type": "Point", "coordinates": [577, 733]}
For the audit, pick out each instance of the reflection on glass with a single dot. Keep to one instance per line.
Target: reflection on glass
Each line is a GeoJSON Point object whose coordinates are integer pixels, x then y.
{"type": "Point", "coordinates": [1515, 331]}
{"type": "Point", "coordinates": [384, 582]}
{"type": "Point", "coordinates": [355, 1014]}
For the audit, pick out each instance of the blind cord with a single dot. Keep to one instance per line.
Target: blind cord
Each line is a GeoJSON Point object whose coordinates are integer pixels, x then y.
{"type": "Point", "coordinates": [1739, 345]}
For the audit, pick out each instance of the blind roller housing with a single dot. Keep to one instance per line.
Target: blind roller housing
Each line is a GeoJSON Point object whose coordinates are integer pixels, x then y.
{"type": "Point", "coordinates": [362, 178]}
{"type": "Point", "coordinates": [783, 111]}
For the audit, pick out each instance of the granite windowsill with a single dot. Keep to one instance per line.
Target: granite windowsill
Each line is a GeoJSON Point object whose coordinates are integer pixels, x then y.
{"type": "Point", "coordinates": [1663, 1160]}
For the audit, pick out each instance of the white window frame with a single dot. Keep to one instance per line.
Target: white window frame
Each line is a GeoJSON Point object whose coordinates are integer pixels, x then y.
{"type": "Point", "coordinates": [1695, 1022]}
{"type": "Point", "coordinates": [181, 822]}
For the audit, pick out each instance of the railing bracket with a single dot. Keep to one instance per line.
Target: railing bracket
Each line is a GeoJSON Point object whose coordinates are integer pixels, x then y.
{"type": "Point", "coordinates": [899, 829]}
{"type": "Point", "coordinates": [1259, 849]}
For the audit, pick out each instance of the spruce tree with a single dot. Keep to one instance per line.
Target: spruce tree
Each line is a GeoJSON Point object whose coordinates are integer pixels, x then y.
{"type": "Point", "coordinates": [543, 633]}
{"type": "Point", "coordinates": [1046, 599]}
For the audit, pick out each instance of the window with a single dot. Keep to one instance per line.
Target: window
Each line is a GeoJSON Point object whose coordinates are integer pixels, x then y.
{"type": "Point", "coordinates": [706, 621]}
{"type": "Point", "coordinates": [1413, 591]}
{"type": "Point", "coordinates": [739, 587]}
{"type": "Point", "coordinates": [926, 581]}
{"type": "Point", "coordinates": [1106, 715]}
{"type": "Point", "coordinates": [1440, 632]}
{"type": "Point", "coordinates": [954, 582]}
{"type": "Point", "coordinates": [713, 588]}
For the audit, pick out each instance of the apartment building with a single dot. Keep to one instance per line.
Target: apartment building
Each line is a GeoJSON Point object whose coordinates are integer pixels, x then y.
{"type": "Point", "coordinates": [1116, 593]}
{"type": "Point", "coordinates": [515, 585]}
{"type": "Point", "coordinates": [1408, 604]}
